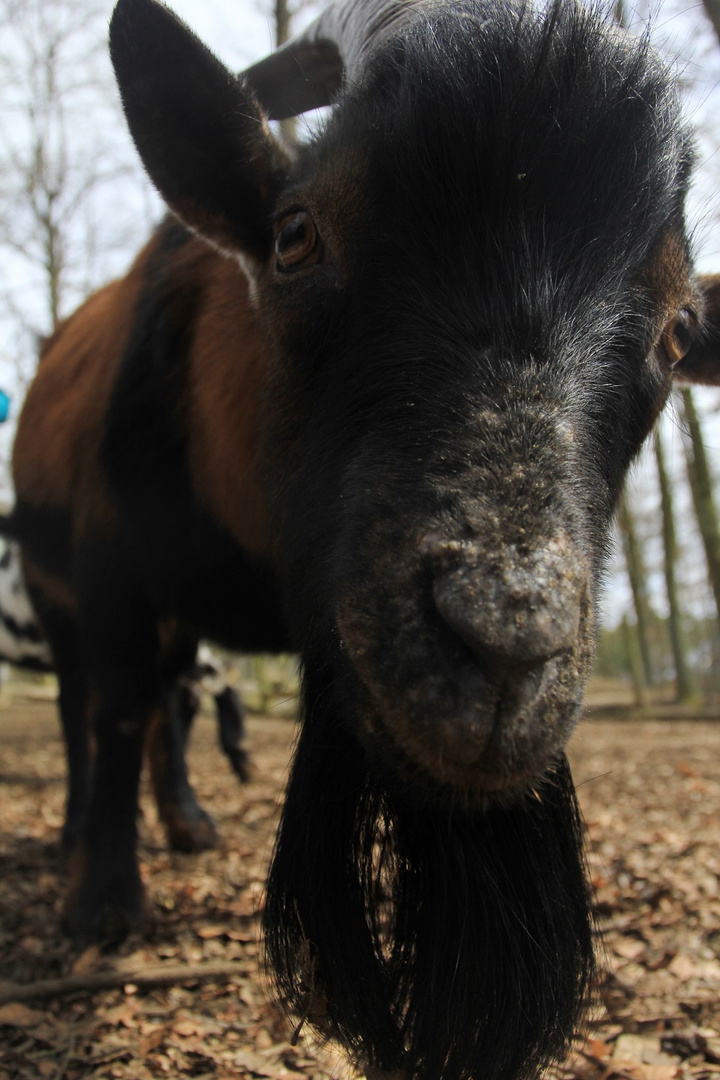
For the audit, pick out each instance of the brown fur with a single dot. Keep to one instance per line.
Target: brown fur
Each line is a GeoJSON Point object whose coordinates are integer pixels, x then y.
{"type": "Point", "coordinates": [55, 457]}
{"type": "Point", "coordinates": [228, 365]}
{"type": "Point", "coordinates": [56, 454]}
{"type": "Point", "coordinates": [56, 592]}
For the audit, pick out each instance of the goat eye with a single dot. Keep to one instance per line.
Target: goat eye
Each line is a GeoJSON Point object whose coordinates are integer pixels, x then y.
{"type": "Point", "coordinates": [678, 335]}
{"type": "Point", "coordinates": [296, 240]}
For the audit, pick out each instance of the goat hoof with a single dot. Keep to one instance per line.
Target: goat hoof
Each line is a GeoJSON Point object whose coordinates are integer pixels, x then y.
{"type": "Point", "coordinates": [101, 907]}
{"type": "Point", "coordinates": [242, 767]}
{"type": "Point", "coordinates": [188, 832]}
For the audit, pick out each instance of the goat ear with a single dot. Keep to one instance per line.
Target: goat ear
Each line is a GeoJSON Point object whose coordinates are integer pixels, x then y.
{"type": "Point", "coordinates": [702, 363]}
{"type": "Point", "coordinates": [201, 135]}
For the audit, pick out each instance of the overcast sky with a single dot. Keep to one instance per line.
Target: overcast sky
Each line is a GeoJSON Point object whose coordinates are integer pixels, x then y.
{"type": "Point", "coordinates": [239, 31]}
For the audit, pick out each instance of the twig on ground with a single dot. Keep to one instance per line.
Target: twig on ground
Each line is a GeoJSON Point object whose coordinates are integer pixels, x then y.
{"type": "Point", "coordinates": [159, 975]}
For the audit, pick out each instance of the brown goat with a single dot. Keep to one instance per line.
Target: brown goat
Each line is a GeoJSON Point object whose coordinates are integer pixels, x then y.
{"type": "Point", "coordinates": [390, 430]}
{"type": "Point", "coordinates": [60, 433]}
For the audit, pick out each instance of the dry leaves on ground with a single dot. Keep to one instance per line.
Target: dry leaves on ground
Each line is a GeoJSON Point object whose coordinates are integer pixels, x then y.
{"type": "Point", "coordinates": [651, 796]}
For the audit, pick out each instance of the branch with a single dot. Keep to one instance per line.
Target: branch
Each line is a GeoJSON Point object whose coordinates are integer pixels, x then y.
{"type": "Point", "coordinates": [160, 975]}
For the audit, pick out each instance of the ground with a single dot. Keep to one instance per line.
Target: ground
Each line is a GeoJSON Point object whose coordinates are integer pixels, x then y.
{"type": "Point", "coordinates": [187, 999]}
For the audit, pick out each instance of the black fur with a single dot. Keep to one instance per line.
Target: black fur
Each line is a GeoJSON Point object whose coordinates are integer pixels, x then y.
{"type": "Point", "coordinates": [446, 940]}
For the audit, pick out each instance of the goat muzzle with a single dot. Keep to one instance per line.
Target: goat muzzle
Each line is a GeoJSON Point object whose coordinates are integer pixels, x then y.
{"type": "Point", "coordinates": [474, 664]}
{"type": "Point", "coordinates": [514, 611]}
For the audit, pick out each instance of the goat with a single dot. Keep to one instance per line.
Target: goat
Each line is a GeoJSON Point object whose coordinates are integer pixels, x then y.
{"type": "Point", "coordinates": [209, 673]}
{"type": "Point", "coordinates": [21, 639]}
{"type": "Point", "coordinates": [374, 399]}
{"type": "Point", "coordinates": [189, 827]}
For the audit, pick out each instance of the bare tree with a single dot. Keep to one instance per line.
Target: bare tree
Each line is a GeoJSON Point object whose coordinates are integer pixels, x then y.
{"type": "Point", "coordinates": [683, 687]}
{"type": "Point", "coordinates": [284, 13]}
{"type": "Point", "coordinates": [632, 652]}
{"type": "Point", "coordinates": [703, 496]}
{"type": "Point", "coordinates": [637, 575]}
{"type": "Point", "coordinates": [283, 18]}
{"type": "Point", "coordinates": [63, 150]}
{"type": "Point", "coordinates": [73, 199]}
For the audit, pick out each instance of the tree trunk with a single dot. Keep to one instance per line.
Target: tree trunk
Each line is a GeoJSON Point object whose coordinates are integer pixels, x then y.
{"type": "Point", "coordinates": [683, 687]}
{"type": "Point", "coordinates": [701, 486]}
{"type": "Point", "coordinates": [283, 18]}
{"type": "Point", "coordinates": [635, 665]}
{"type": "Point", "coordinates": [638, 585]}
{"type": "Point", "coordinates": [712, 8]}
{"type": "Point", "coordinates": [282, 22]}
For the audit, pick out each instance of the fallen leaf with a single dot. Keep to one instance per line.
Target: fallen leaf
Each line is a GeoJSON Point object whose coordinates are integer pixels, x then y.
{"type": "Point", "coordinates": [15, 1014]}
{"type": "Point", "coordinates": [152, 1040]}
{"type": "Point", "coordinates": [208, 932]}
{"type": "Point", "coordinates": [259, 1066]}
{"type": "Point", "coordinates": [88, 960]}
{"type": "Point", "coordinates": [629, 948]}
{"type": "Point", "coordinates": [597, 1048]}
{"type": "Point", "coordinates": [637, 1070]}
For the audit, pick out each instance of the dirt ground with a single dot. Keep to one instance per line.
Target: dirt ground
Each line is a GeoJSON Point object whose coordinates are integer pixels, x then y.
{"type": "Point", "coordinates": [187, 999]}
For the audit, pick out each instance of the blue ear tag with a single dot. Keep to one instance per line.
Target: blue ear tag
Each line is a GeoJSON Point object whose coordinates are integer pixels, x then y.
{"type": "Point", "coordinates": [4, 406]}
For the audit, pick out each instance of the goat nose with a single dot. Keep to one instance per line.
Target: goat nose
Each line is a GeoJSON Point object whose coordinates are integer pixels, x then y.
{"type": "Point", "coordinates": [514, 612]}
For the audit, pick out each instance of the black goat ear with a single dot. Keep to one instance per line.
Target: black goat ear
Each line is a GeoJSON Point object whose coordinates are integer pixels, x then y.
{"type": "Point", "coordinates": [701, 364]}
{"type": "Point", "coordinates": [201, 135]}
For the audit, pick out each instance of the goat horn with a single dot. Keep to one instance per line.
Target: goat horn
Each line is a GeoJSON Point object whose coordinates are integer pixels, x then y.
{"type": "Point", "coordinates": [307, 71]}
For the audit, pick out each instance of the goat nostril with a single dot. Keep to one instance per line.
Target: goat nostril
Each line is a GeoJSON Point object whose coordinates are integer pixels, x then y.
{"type": "Point", "coordinates": [505, 658]}
{"type": "Point", "coordinates": [515, 610]}
{"type": "Point", "coordinates": [514, 615]}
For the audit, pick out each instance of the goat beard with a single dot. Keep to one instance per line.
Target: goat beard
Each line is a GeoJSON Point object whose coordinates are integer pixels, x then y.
{"type": "Point", "coordinates": [431, 940]}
